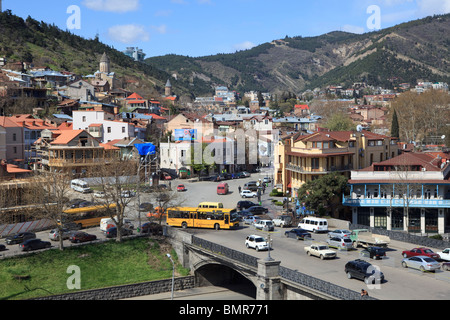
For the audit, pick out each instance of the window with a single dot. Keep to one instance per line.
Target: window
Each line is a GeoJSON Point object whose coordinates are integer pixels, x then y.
{"type": "Point", "coordinates": [84, 119]}
{"type": "Point", "coordinates": [109, 130]}
{"type": "Point", "coordinates": [315, 163]}
{"type": "Point", "coordinates": [123, 129]}
{"type": "Point", "coordinates": [14, 137]}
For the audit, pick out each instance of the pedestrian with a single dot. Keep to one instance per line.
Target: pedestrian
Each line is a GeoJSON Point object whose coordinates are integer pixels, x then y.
{"type": "Point", "coordinates": [364, 293]}
{"type": "Point", "coordinates": [239, 188]}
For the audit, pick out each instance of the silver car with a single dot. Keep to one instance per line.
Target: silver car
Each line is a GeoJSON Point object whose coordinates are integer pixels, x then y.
{"type": "Point", "coordinates": [341, 233]}
{"type": "Point", "coordinates": [54, 234]}
{"type": "Point", "coordinates": [423, 263]}
{"type": "Point", "coordinates": [340, 243]}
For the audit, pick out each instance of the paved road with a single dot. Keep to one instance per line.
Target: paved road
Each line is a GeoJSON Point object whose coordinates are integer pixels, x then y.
{"type": "Point", "coordinates": [405, 284]}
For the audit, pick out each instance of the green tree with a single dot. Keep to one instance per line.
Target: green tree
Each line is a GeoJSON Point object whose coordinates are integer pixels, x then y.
{"type": "Point", "coordinates": [339, 122]}
{"type": "Point", "coordinates": [395, 130]}
{"type": "Point", "coordinates": [324, 194]}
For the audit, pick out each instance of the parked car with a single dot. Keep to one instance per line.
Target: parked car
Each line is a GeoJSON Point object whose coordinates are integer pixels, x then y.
{"type": "Point", "coordinates": [363, 270]}
{"type": "Point", "coordinates": [244, 204]}
{"type": "Point", "coordinates": [256, 210]}
{"type": "Point", "coordinates": [74, 203]}
{"type": "Point", "coordinates": [445, 266]}
{"type": "Point", "coordinates": [299, 234]}
{"type": "Point", "coordinates": [248, 194]}
{"type": "Point", "coordinates": [267, 180]}
{"type": "Point", "coordinates": [80, 236]}
{"type": "Point", "coordinates": [282, 221]}
{"type": "Point", "coordinates": [245, 174]}
{"type": "Point", "coordinates": [99, 194]}
{"type": "Point", "coordinates": [423, 263]}
{"type": "Point", "coordinates": [181, 188]}
{"type": "Point", "coordinates": [34, 244]}
{"type": "Point", "coordinates": [20, 237]}
{"type": "Point", "coordinates": [112, 232]}
{"type": "Point", "coordinates": [256, 242]}
{"type": "Point", "coordinates": [265, 225]}
{"type": "Point", "coordinates": [85, 204]}
{"type": "Point", "coordinates": [420, 252]}
{"type": "Point", "coordinates": [340, 243]}
{"type": "Point", "coordinates": [54, 234]}
{"type": "Point", "coordinates": [2, 247]}
{"type": "Point", "coordinates": [373, 252]}
{"type": "Point", "coordinates": [444, 254]}
{"type": "Point", "coordinates": [152, 227]}
{"type": "Point", "coordinates": [341, 233]}
{"type": "Point", "coordinates": [252, 186]}
{"type": "Point", "coordinates": [251, 219]}
{"type": "Point", "coordinates": [128, 194]}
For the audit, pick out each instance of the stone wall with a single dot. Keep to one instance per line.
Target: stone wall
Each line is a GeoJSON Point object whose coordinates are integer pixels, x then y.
{"type": "Point", "coordinates": [127, 291]}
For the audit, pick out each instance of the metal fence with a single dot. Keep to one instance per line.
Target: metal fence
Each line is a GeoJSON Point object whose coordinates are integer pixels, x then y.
{"type": "Point", "coordinates": [288, 274]}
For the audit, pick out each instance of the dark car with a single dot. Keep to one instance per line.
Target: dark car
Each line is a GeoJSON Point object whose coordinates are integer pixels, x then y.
{"type": "Point", "coordinates": [374, 252]}
{"type": "Point", "coordinates": [244, 204]}
{"type": "Point", "coordinates": [299, 234]}
{"type": "Point", "coordinates": [112, 232]}
{"type": "Point", "coordinates": [152, 228]}
{"type": "Point", "coordinates": [75, 203]}
{"type": "Point", "coordinates": [363, 270]}
{"type": "Point", "coordinates": [34, 244]}
{"type": "Point", "coordinates": [20, 237]}
{"type": "Point", "coordinates": [78, 237]}
{"type": "Point", "coordinates": [256, 210]}
{"type": "Point", "coordinates": [2, 247]}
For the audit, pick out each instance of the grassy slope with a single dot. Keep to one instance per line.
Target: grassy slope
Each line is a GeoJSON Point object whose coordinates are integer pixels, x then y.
{"type": "Point", "coordinates": [101, 265]}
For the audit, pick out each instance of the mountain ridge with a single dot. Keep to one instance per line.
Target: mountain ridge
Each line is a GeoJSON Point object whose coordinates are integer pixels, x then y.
{"type": "Point", "coordinates": [409, 51]}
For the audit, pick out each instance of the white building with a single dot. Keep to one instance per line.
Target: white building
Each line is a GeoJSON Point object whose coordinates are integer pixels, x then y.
{"type": "Point", "coordinates": [102, 125]}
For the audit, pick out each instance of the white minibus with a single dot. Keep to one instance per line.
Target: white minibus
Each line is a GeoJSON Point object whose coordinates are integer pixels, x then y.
{"type": "Point", "coordinates": [314, 224]}
{"type": "Point", "coordinates": [80, 186]}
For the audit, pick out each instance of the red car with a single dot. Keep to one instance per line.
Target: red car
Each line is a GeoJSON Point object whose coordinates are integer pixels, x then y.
{"type": "Point", "coordinates": [420, 252]}
{"type": "Point", "coordinates": [181, 187]}
{"type": "Point", "coordinates": [78, 237]}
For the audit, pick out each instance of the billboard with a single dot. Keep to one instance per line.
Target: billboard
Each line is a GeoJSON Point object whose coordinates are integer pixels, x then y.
{"type": "Point", "coordinates": [185, 134]}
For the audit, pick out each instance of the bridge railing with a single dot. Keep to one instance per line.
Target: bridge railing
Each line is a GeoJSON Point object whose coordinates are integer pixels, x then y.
{"type": "Point", "coordinates": [227, 252]}
{"type": "Point", "coordinates": [288, 274]}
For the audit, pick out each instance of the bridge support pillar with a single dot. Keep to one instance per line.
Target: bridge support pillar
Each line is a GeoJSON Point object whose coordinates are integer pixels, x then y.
{"type": "Point", "coordinates": [269, 280]}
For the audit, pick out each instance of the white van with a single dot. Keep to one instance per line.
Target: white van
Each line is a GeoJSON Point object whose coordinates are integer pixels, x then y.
{"type": "Point", "coordinates": [107, 223]}
{"type": "Point", "coordinates": [80, 186]}
{"type": "Point", "coordinates": [314, 224]}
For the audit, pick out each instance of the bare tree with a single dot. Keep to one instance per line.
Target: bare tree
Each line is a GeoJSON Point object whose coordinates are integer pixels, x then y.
{"type": "Point", "coordinates": [117, 180]}
{"type": "Point", "coordinates": [50, 191]}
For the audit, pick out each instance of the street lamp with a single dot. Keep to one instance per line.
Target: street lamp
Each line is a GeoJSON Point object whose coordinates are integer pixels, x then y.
{"type": "Point", "coordinates": [173, 274]}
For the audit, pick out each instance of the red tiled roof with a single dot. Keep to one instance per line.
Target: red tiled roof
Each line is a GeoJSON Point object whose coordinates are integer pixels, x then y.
{"type": "Point", "coordinates": [135, 96]}
{"type": "Point", "coordinates": [66, 136]}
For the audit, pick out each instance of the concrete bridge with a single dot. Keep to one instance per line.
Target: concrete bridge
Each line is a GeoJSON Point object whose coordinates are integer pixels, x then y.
{"type": "Point", "coordinates": [264, 279]}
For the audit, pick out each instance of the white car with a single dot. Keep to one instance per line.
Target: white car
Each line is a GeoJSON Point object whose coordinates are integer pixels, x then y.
{"type": "Point", "coordinates": [248, 194]}
{"type": "Point", "coordinates": [265, 225]}
{"type": "Point", "coordinates": [256, 242]}
{"type": "Point", "coordinates": [444, 254]}
{"type": "Point", "coordinates": [321, 251]}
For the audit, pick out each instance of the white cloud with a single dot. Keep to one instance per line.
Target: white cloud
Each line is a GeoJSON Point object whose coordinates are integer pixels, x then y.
{"type": "Point", "coordinates": [243, 45]}
{"type": "Point", "coordinates": [431, 7]}
{"type": "Point", "coordinates": [353, 29]}
{"type": "Point", "coordinates": [112, 5]}
{"type": "Point", "coordinates": [162, 29]}
{"type": "Point", "coordinates": [129, 34]}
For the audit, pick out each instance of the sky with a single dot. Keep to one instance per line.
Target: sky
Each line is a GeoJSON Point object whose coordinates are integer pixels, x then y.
{"type": "Point", "coordinates": [207, 27]}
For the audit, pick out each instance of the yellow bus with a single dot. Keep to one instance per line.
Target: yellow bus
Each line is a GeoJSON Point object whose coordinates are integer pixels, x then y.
{"type": "Point", "coordinates": [88, 216]}
{"type": "Point", "coordinates": [210, 218]}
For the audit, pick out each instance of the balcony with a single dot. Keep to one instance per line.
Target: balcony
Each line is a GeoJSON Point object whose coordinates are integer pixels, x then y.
{"type": "Point", "coordinates": [396, 202]}
{"type": "Point", "coordinates": [331, 169]}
